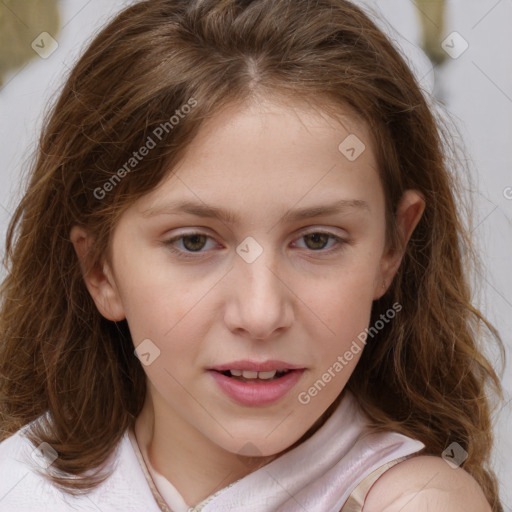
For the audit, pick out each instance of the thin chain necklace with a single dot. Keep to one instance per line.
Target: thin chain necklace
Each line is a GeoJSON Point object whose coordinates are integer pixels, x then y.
{"type": "Point", "coordinates": [158, 497]}
{"type": "Point", "coordinates": [164, 507]}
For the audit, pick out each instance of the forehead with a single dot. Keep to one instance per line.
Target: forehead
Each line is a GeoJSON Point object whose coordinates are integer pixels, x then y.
{"type": "Point", "coordinates": [262, 153]}
{"type": "Point", "coordinates": [279, 125]}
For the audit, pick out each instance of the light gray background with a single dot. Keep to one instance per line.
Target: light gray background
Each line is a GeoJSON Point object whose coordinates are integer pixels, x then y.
{"type": "Point", "coordinates": [478, 90]}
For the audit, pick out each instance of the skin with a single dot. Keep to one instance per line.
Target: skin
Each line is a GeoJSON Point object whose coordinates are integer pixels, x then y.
{"type": "Point", "coordinates": [302, 300]}
{"type": "Point", "coordinates": [426, 483]}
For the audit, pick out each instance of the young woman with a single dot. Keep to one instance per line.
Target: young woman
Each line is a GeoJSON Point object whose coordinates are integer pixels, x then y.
{"type": "Point", "coordinates": [237, 278]}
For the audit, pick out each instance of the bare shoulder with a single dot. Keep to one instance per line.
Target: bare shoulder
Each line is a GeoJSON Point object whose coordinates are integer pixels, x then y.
{"type": "Point", "coordinates": [426, 483]}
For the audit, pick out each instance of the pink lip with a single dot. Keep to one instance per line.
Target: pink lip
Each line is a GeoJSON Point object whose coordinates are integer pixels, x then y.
{"type": "Point", "coordinates": [255, 366]}
{"type": "Point", "coordinates": [258, 392]}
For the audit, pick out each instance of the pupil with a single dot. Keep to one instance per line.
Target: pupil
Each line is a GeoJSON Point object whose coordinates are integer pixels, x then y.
{"type": "Point", "coordinates": [315, 236]}
{"type": "Point", "coordinates": [194, 239]}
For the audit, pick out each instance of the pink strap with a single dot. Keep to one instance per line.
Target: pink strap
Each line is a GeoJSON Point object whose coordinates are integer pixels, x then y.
{"type": "Point", "coordinates": [358, 496]}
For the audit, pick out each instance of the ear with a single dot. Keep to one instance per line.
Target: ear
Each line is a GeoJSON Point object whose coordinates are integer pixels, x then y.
{"type": "Point", "coordinates": [99, 280]}
{"type": "Point", "coordinates": [408, 214]}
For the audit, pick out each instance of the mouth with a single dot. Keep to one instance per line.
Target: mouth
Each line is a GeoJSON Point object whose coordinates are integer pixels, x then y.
{"type": "Point", "coordinates": [254, 377]}
{"type": "Point", "coordinates": [252, 371]}
{"type": "Point", "coordinates": [252, 383]}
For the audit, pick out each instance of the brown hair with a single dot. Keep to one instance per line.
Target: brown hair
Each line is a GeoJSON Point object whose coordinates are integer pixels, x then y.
{"type": "Point", "coordinates": [424, 375]}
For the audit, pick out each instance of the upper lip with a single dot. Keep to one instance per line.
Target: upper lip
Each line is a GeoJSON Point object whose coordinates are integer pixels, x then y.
{"type": "Point", "coordinates": [255, 366]}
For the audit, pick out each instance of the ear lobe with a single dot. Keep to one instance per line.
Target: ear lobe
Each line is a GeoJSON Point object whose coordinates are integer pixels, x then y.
{"type": "Point", "coordinates": [99, 279]}
{"type": "Point", "coordinates": [409, 212]}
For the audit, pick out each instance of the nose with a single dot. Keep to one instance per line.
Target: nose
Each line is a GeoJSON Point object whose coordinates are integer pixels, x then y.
{"type": "Point", "coordinates": [260, 304]}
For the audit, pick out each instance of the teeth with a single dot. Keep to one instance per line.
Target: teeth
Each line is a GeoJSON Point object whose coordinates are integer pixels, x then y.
{"type": "Point", "coordinates": [254, 375]}
{"type": "Point", "coordinates": [265, 375]}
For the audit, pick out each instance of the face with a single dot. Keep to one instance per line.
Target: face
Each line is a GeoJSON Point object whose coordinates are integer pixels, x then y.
{"type": "Point", "coordinates": [288, 272]}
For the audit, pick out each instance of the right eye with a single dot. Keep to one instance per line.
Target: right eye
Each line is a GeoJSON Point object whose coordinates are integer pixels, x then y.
{"type": "Point", "coordinates": [191, 242]}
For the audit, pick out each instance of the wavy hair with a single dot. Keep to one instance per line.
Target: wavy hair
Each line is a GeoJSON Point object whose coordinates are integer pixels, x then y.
{"type": "Point", "coordinates": [72, 375]}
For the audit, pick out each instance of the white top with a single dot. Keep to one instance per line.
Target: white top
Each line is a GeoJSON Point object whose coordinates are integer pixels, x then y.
{"type": "Point", "coordinates": [317, 476]}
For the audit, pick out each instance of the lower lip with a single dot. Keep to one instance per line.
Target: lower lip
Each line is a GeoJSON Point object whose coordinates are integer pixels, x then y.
{"type": "Point", "coordinates": [259, 392]}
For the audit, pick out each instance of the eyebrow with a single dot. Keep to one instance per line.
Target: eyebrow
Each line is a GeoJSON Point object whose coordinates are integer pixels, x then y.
{"type": "Point", "coordinates": [229, 217]}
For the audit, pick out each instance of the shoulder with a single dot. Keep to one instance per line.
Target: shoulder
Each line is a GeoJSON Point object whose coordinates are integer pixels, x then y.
{"type": "Point", "coordinates": [21, 486]}
{"type": "Point", "coordinates": [24, 486]}
{"type": "Point", "coordinates": [424, 483]}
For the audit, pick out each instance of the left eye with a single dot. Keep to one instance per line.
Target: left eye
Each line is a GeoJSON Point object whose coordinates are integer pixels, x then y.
{"type": "Point", "coordinates": [318, 240]}
{"type": "Point", "coordinates": [194, 242]}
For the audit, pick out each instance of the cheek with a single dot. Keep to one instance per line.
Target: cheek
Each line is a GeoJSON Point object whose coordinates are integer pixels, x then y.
{"type": "Point", "coordinates": [156, 296]}
{"type": "Point", "coordinates": [348, 293]}
{"type": "Point", "coordinates": [344, 305]}
{"type": "Point", "coordinates": [345, 317]}
{"type": "Point", "coordinates": [168, 323]}
{"type": "Point", "coordinates": [168, 308]}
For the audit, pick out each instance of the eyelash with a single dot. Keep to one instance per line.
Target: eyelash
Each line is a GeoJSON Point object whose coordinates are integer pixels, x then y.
{"type": "Point", "coordinates": [339, 245]}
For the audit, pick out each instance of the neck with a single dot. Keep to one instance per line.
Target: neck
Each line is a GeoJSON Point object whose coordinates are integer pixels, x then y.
{"type": "Point", "coordinates": [195, 466]}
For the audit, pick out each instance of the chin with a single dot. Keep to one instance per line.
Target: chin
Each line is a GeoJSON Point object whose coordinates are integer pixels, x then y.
{"type": "Point", "coordinates": [258, 445]}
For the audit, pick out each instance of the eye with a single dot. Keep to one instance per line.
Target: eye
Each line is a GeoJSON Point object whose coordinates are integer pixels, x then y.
{"type": "Point", "coordinates": [317, 241]}
{"type": "Point", "coordinates": [191, 243]}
